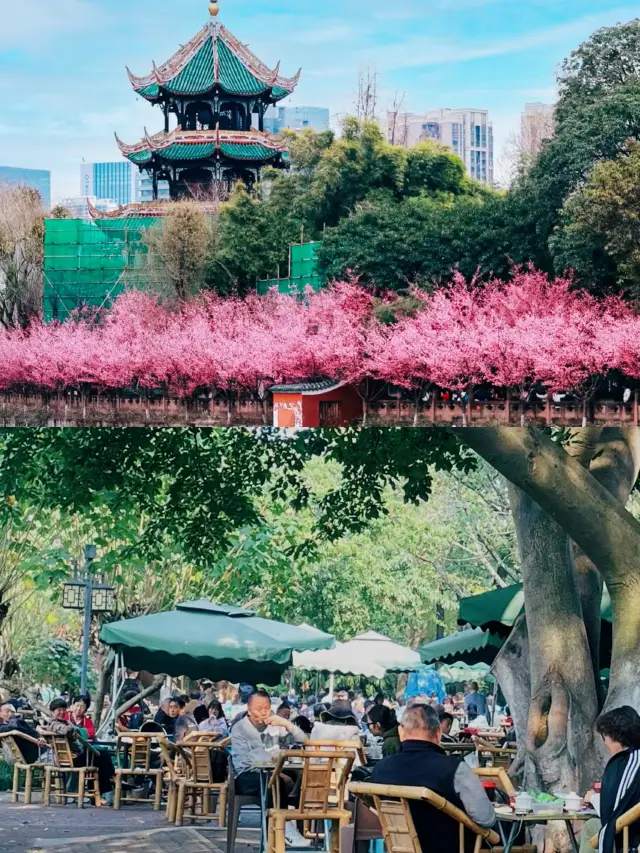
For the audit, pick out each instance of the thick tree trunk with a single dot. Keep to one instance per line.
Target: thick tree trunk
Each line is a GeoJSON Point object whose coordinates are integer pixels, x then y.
{"type": "Point", "coordinates": [512, 669]}
{"type": "Point", "coordinates": [592, 517]}
{"type": "Point", "coordinates": [561, 751]}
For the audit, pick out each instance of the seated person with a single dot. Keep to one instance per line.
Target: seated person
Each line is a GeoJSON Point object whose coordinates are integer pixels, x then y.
{"type": "Point", "coordinates": [83, 755]}
{"type": "Point", "coordinates": [78, 716]}
{"type": "Point", "coordinates": [422, 764]}
{"type": "Point", "coordinates": [284, 710]}
{"type": "Point", "coordinates": [168, 713]}
{"type": "Point", "coordinates": [446, 724]}
{"type": "Point", "coordinates": [11, 722]}
{"type": "Point", "coordinates": [134, 717]}
{"type": "Point", "coordinates": [248, 736]}
{"type": "Point", "coordinates": [620, 730]}
{"type": "Point", "coordinates": [216, 720]}
{"type": "Point", "coordinates": [336, 723]}
{"type": "Point", "coordinates": [381, 723]}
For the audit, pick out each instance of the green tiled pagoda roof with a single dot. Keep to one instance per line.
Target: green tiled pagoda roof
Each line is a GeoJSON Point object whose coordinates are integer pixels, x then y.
{"type": "Point", "coordinates": [150, 91]}
{"type": "Point", "coordinates": [214, 58]}
{"type": "Point", "coordinates": [140, 157]}
{"type": "Point", "coordinates": [247, 152]}
{"type": "Point", "coordinates": [180, 151]}
{"type": "Point", "coordinates": [179, 148]}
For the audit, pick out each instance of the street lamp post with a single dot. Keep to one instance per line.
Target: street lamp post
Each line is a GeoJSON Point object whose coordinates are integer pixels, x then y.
{"type": "Point", "coordinates": [89, 593]}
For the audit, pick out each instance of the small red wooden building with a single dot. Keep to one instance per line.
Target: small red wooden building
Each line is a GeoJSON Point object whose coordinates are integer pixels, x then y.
{"type": "Point", "coordinates": [315, 404]}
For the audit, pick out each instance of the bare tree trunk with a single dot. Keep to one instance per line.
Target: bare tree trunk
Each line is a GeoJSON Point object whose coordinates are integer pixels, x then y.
{"type": "Point", "coordinates": [512, 669]}
{"type": "Point", "coordinates": [106, 667]}
{"type": "Point", "coordinates": [157, 684]}
{"type": "Point", "coordinates": [561, 750]}
{"type": "Point", "coordinates": [592, 517]}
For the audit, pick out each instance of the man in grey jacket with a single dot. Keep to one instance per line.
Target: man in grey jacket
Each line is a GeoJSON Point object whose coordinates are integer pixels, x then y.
{"type": "Point", "coordinates": [248, 747]}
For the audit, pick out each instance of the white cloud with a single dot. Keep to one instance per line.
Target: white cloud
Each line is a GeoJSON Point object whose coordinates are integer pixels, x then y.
{"type": "Point", "coordinates": [419, 51]}
{"type": "Point", "coordinates": [26, 27]}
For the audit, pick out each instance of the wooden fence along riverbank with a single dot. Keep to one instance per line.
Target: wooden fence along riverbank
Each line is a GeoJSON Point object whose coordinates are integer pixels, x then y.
{"type": "Point", "coordinates": [69, 409]}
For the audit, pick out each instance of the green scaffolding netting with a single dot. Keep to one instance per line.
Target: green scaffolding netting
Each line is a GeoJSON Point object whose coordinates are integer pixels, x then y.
{"type": "Point", "coordinates": [304, 272]}
{"type": "Point", "coordinates": [90, 263]}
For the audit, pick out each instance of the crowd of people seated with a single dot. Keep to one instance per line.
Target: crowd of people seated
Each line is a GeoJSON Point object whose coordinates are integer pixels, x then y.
{"type": "Point", "coordinates": [403, 741]}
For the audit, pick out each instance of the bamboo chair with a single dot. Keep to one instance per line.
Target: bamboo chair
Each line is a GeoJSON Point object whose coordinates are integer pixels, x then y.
{"type": "Point", "coordinates": [63, 768]}
{"type": "Point", "coordinates": [320, 768]}
{"type": "Point", "coordinates": [622, 826]}
{"type": "Point", "coordinates": [197, 784]}
{"type": "Point", "coordinates": [391, 803]}
{"type": "Point", "coordinates": [499, 776]}
{"type": "Point", "coordinates": [354, 747]}
{"type": "Point", "coordinates": [502, 758]}
{"type": "Point", "coordinates": [171, 775]}
{"type": "Point", "coordinates": [136, 747]}
{"type": "Point", "coordinates": [31, 771]}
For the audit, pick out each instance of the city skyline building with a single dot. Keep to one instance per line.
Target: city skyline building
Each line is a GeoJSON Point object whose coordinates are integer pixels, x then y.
{"type": "Point", "coordinates": [467, 132]}
{"type": "Point", "coordinates": [120, 181]}
{"type": "Point", "coordinates": [79, 207]}
{"type": "Point", "coordinates": [537, 123]}
{"type": "Point", "coordinates": [277, 118]}
{"type": "Point", "coordinates": [37, 179]}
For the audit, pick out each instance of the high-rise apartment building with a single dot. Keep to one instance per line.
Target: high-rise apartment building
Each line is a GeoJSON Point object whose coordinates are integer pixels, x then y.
{"type": "Point", "coordinates": [537, 124]}
{"type": "Point", "coordinates": [37, 179]}
{"type": "Point", "coordinates": [296, 118]}
{"type": "Point", "coordinates": [120, 182]}
{"type": "Point", "coordinates": [468, 133]}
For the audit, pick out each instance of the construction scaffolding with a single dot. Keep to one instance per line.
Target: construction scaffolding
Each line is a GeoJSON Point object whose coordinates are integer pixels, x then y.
{"type": "Point", "coordinates": [303, 271]}
{"type": "Point", "coordinates": [90, 263]}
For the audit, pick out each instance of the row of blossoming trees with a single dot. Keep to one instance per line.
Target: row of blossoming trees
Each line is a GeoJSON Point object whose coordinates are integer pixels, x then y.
{"type": "Point", "coordinates": [514, 334]}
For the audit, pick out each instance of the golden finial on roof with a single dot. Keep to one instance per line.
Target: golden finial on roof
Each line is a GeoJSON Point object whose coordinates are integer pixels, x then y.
{"type": "Point", "coordinates": [214, 8]}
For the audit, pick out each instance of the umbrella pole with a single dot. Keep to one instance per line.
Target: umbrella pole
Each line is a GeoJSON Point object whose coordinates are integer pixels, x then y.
{"type": "Point", "coordinates": [332, 685]}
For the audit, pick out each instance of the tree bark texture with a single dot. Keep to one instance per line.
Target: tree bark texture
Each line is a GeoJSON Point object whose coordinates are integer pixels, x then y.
{"type": "Point", "coordinates": [591, 515]}
{"type": "Point", "coordinates": [512, 670]}
{"type": "Point", "coordinates": [561, 751]}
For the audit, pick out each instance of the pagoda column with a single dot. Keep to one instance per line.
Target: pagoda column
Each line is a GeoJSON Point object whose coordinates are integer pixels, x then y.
{"type": "Point", "coordinates": [155, 185]}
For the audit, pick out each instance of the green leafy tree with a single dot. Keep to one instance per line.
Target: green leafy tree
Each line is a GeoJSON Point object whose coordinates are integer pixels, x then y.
{"type": "Point", "coordinates": [55, 660]}
{"type": "Point", "coordinates": [179, 249]}
{"type": "Point", "coordinates": [602, 230]}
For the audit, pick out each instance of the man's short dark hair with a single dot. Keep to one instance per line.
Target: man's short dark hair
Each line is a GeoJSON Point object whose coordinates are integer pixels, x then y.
{"type": "Point", "coordinates": [420, 718]}
{"type": "Point", "coordinates": [258, 694]}
{"type": "Point", "coordinates": [445, 716]}
{"type": "Point", "coordinates": [380, 714]}
{"type": "Point", "coordinates": [474, 686]}
{"type": "Point", "coordinates": [379, 699]}
{"type": "Point", "coordinates": [285, 705]}
{"type": "Point", "coordinates": [57, 704]}
{"type": "Point", "coordinates": [622, 725]}
{"type": "Point", "coordinates": [178, 701]}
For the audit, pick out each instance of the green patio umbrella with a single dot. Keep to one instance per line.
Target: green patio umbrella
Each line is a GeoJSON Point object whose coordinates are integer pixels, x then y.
{"type": "Point", "coordinates": [471, 646]}
{"type": "Point", "coordinates": [497, 611]}
{"type": "Point", "coordinates": [200, 639]}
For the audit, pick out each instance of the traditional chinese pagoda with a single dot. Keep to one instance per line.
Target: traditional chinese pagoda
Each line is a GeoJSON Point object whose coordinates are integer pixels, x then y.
{"type": "Point", "coordinates": [218, 92]}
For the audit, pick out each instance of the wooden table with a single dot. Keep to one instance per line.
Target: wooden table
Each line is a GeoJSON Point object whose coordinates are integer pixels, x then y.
{"type": "Point", "coordinates": [458, 747]}
{"type": "Point", "coordinates": [518, 821]}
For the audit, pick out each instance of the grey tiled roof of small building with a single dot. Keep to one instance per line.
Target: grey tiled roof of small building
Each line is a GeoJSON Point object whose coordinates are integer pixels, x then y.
{"type": "Point", "coordinates": [305, 387]}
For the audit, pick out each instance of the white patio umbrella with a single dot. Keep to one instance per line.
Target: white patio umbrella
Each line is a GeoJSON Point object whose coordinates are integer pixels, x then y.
{"type": "Point", "coordinates": [371, 655]}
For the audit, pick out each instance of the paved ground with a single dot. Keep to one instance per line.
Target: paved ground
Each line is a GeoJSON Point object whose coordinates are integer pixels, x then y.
{"type": "Point", "coordinates": [132, 829]}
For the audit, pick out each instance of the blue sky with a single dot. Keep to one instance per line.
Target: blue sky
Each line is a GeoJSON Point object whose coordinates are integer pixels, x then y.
{"type": "Point", "coordinates": [64, 90]}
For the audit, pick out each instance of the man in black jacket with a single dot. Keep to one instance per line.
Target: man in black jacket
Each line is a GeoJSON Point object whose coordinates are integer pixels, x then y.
{"type": "Point", "coordinates": [421, 763]}
{"type": "Point", "coordinates": [11, 722]}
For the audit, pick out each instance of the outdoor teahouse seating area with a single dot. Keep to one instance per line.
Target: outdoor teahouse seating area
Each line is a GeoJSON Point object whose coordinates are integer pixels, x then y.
{"type": "Point", "coordinates": [336, 811]}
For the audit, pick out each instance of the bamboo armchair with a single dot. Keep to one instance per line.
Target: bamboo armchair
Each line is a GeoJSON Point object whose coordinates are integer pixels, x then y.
{"type": "Point", "coordinates": [320, 770]}
{"type": "Point", "coordinates": [499, 776]}
{"type": "Point", "coordinates": [64, 767]}
{"type": "Point", "coordinates": [197, 785]}
{"type": "Point", "coordinates": [21, 766]}
{"type": "Point", "coordinates": [136, 748]}
{"type": "Point", "coordinates": [622, 826]}
{"type": "Point", "coordinates": [391, 803]}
